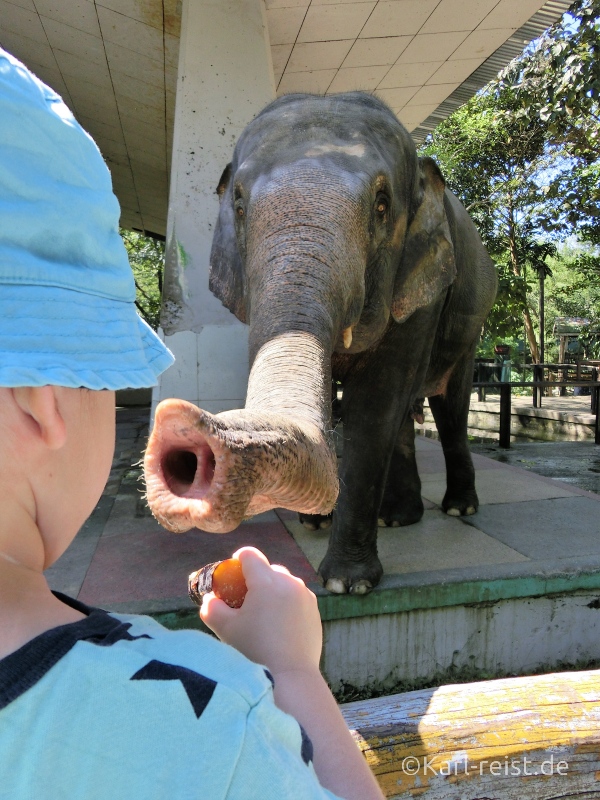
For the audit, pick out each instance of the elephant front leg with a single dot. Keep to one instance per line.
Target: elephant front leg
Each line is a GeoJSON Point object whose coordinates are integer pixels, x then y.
{"type": "Point", "coordinates": [377, 397]}
{"type": "Point", "coordinates": [372, 409]}
{"type": "Point", "coordinates": [451, 412]}
{"type": "Point", "coordinates": [351, 563]}
{"type": "Point", "coordinates": [402, 503]}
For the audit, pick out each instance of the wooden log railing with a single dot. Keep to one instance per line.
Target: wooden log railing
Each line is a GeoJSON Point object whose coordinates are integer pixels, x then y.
{"type": "Point", "coordinates": [533, 738]}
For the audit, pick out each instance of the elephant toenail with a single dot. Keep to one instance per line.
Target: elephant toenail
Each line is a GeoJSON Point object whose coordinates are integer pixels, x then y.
{"type": "Point", "coordinates": [470, 510]}
{"type": "Point", "coordinates": [395, 523]}
{"type": "Point", "coordinates": [310, 526]}
{"type": "Point", "coordinates": [381, 523]}
{"type": "Point", "coordinates": [325, 523]}
{"type": "Point", "coordinates": [361, 587]}
{"type": "Point", "coordinates": [336, 586]}
{"type": "Point", "coordinates": [453, 512]}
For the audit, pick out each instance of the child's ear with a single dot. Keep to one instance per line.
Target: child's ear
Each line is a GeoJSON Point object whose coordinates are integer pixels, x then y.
{"type": "Point", "coordinates": [40, 404]}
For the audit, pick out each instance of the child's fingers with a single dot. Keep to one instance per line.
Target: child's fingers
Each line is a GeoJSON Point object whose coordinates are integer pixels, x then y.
{"type": "Point", "coordinates": [215, 613]}
{"type": "Point", "coordinates": [254, 551]}
{"type": "Point", "coordinates": [280, 568]}
{"type": "Point", "coordinates": [245, 559]}
{"type": "Point", "coordinates": [255, 566]}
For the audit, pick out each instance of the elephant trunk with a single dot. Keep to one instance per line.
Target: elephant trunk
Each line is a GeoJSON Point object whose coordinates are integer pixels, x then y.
{"type": "Point", "coordinates": [212, 471]}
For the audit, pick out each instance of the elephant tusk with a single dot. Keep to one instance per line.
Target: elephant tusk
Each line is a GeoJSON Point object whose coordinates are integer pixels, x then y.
{"type": "Point", "coordinates": [347, 336]}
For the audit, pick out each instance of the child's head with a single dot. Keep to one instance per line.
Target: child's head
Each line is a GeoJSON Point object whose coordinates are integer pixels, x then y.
{"type": "Point", "coordinates": [56, 449]}
{"type": "Point", "coordinates": [68, 322]}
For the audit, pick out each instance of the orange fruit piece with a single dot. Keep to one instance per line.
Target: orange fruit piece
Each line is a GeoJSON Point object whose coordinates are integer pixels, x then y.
{"type": "Point", "coordinates": [228, 582]}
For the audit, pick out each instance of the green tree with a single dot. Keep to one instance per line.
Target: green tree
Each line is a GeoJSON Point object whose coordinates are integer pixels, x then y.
{"type": "Point", "coordinates": [570, 292]}
{"type": "Point", "coordinates": [574, 193]}
{"type": "Point", "coordinates": [147, 258]}
{"type": "Point", "coordinates": [557, 83]}
{"type": "Point", "coordinates": [524, 156]}
{"type": "Point", "coordinates": [491, 158]}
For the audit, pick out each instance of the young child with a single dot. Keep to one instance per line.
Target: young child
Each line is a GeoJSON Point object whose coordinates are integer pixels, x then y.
{"type": "Point", "coordinates": [99, 706]}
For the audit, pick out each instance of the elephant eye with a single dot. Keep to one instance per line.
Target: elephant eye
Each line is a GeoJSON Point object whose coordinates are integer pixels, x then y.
{"type": "Point", "coordinates": [381, 205]}
{"type": "Point", "coordinates": [239, 208]}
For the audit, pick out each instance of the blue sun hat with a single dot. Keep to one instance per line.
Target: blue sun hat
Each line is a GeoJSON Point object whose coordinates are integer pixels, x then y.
{"type": "Point", "coordinates": [67, 294]}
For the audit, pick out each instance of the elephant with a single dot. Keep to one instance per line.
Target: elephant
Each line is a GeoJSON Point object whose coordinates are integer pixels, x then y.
{"type": "Point", "coordinates": [351, 261]}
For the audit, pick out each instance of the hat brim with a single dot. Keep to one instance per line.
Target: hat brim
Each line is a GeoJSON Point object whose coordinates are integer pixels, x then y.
{"type": "Point", "coordinates": [61, 337]}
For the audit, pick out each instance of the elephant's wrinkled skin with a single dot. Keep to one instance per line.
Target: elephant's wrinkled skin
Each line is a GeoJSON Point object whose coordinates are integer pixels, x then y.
{"type": "Point", "coordinates": [346, 255]}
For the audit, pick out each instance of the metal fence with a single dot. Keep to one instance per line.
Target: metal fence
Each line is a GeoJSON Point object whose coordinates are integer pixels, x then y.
{"type": "Point", "coordinates": [505, 389]}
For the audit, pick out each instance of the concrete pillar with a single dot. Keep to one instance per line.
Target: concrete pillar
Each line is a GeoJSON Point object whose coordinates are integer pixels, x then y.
{"type": "Point", "coordinates": [225, 78]}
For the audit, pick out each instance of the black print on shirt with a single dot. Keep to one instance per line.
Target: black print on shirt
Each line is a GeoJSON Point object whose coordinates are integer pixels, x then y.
{"type": "Point", "coordinates": [199, 689]}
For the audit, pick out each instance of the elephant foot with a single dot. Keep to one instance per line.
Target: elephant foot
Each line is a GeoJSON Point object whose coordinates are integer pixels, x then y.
{"type": "Point", "coordinates": [315, 522]}
{"type": "Point", "coordinates": [341, 576]}
{"type": "Point", "coordinates": [397, 514]}
{"type": "Point", "coordinates": [460, 504]}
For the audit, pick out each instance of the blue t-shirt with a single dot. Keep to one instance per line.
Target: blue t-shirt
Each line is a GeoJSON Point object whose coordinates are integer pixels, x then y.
{"type": "Point", "coordinates": [117, 707]}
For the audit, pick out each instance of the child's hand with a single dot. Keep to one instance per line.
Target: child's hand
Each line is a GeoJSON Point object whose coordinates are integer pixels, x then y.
{"type": "Point", "coordinates": [279, 623]}
{"type": "Point", "coordinates": [279, 626]}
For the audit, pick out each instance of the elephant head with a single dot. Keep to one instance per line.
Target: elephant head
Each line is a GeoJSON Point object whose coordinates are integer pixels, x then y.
{"type": "Point", "coordinates": [330, 229]}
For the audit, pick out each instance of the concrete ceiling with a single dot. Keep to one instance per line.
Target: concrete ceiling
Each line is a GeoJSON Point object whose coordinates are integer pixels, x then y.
{"type": "Point", "coordinates": [115, 64]}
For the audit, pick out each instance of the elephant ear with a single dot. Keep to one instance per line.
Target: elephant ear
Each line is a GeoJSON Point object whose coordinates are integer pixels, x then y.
{"type": "Point", "coordinates": [427, 264]}
{"type": "Point", "coordinates": [226, 279]}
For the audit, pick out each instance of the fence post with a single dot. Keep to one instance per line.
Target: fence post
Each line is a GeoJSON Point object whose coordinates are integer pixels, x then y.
{"type": "Point", "coordinates": [565, 377]}
{"type": "Point", "coordinates": [538, 375]}
{"type": "Point", "coordinates": [505, 415]}
{"type": "Point", "coordinates": [594, 391]}
{"type": "Point", "coordinates": [596, 397]}
{"type": "Point", "coordinates": [480, 389]}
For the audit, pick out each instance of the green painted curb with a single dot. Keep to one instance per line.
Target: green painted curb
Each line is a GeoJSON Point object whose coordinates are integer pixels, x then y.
{"type": "Point", "coordinates": [404, 598]}
{"type": "Point", "coordinates": [441, 595]}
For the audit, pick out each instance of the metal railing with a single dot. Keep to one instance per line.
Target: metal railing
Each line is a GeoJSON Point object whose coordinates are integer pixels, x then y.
{"type": "Point", "coordinates": [505, 388]}
{"type": "Point", "coordinates": [580, 374]}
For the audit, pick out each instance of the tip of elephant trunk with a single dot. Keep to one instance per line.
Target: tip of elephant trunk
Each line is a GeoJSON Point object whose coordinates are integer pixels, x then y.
{"type": "Point", "coordinates": [211, 472]}
{"type": "Point", "coordinates": [183, 466]}
{"type": "Point", "coordinates": [189, 472]}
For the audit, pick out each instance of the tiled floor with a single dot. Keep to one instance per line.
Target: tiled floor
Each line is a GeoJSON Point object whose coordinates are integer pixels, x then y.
{"type": "Point", "coordinates": [527, 525]}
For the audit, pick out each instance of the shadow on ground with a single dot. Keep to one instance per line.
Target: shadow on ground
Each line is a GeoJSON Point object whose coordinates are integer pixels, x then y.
{"type": "Point", "coordinates": [575, 463]}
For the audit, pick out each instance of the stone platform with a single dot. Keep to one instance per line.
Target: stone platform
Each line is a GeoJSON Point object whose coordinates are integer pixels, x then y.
{"type": "Point", "coordinates": [512, 589]}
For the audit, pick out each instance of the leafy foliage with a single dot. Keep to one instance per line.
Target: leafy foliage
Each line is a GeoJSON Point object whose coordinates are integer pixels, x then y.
{"type": "Point", "coordinates": [557, 86]}
{"type": "Point", "coordinates": [576, 194]}
{"type": "Point", "coordinates": [558, 83]}
{"type": "Point", "coordinates": [147, 258]}
{"type": "Point", "coordinates": [524, 157]}
{"type": "Point", "coordinates": [492, 159]}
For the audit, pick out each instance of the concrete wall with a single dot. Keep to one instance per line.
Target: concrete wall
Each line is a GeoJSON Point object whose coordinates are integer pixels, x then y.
{"type": "Point", "coordinates": [519, 636]}
{"type": "Point", "coordinates": [225, 78]}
